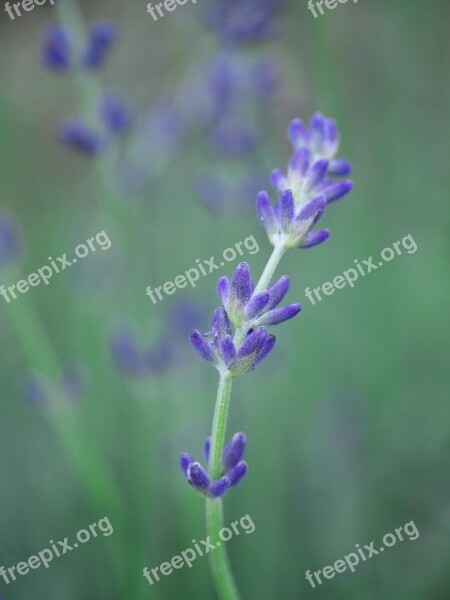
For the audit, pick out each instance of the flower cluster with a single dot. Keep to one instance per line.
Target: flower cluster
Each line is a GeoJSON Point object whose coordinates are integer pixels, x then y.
{"type": "Point", "coordinates": [233, 468]}
{"type": "Point", "coordinates": [249, 312]}
{"type": "Point", "coordinates": [306, 188]}
{"type": "Point", "coordinates": [113, 118]}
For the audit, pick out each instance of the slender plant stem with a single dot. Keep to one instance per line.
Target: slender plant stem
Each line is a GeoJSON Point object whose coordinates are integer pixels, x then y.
{"type": "Point", "coordinates": [220, 567]}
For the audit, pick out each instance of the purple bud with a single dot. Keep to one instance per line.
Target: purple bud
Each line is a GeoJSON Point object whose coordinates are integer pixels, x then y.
{"type": "Point", "coordinates": [278, 291]}
{"type": "Point", "coordinates": [256, 305]}
{"type": "Point", "coordinates": [317, 131]}
{"type": "Point", "coordinates": [228, 350]}
{"type": "Point", "coordinates": [314, 207]}
{"type": "Point", "coordinates": [279, 180]}
{"type": "Point", "coordinates": [126, 352]}
{"type": "Point", "coordinates": [234, 451]}
{"type": "Point", "coordinates": [265, 350]}
{"type": "Point", "coordinates": [220, 326]}
{"type": "Point", "coordinates": [77, 135]}
{"type": "Point", "coordinates": [242, 285]}
{"type": "Point", "coordinates": [339, 167]}
{"type": "Point", "coordinates": [198, 477]}
{"type": "Point", "coordinates": [9, 237]}
{"type": "Point", "coordinates": [300, 161]}
{"type": "Point", "coordinates": [253, 343]}
{"type": "Point", "coordinates": [219, 487]}
{"type": "Point", "coordinates": [115, 114]}
{"type": "Point", "coordinates": [223, 289]}
{"type": "Point", "coordinates": [185, 461]}
{"type": "Point", "coordinates": [207, 448]}
{"type": "Point", "coordinates": [316, 237]}
{"type": "Point", "coordinates": [237, 473]}
{"type": "Point", "coordinates": [56, 50]}
{"type": "Point", "coordinates": [316, 173]}
{"type": "Point", "coordinates": [278, 315]}
{"type": "Point", "coordinates": [101, 39]}
{"type": "Point", "coordinates": [203, 347]}
{"type": "Point", "coordinates": [285, 210]}
{"type": "Point", "coordinates": [297, 134]}
{"type": "Point", "coordinates": [336, 191]}
{"type": "Point", "coordinates": [266, 213]}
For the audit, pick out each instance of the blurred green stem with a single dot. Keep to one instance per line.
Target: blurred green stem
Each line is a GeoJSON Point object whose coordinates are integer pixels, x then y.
{"type": "Point", "coordinates": [220, 567]}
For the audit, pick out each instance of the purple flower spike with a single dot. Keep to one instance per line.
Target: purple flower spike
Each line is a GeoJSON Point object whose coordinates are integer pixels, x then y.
{"type": "Point", "coordinates": [314, 238]}
{"type": "Point", "coordinates": [203, 347]}
{"type": "Point", "coordinates": [220, 487]}
{"type": "Point", "coordinates": [80, 137]}
{"type": "Point", "coordinates": [185, 461]}
{"type": "Point", "coordinates": [101, 39]}
{"type": "Point", "coordinates": [198, 477]}
{"type": "Point", "coordinates": [278, 315]}
{"type": "Point", "coordinates": [237, 474]}
{"type": "Point", "coordinates": [234, 451]}
{"type": "Point", "coordinates": [56, 51]}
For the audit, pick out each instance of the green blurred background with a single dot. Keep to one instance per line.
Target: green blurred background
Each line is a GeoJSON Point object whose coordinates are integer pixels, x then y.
{"type": "Point", "coordinates": [347, 423]}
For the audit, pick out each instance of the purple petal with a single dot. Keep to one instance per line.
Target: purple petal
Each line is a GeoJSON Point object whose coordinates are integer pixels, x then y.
{"type": "Point", "coordinates": [316, 237]}
{"type": "Point", "coordinates": [197, 476]}
{"type": "Point", "coordinates": [234, 451]}
{"type": "Point", "coordinates": [220, 326]}
{"type": "Point", "coordinates": [316, 173]}
{"type": "Point", "coordinates": [266, 213]}
{"type": "Point", "coordinates": [312, 208]}
{"type": "Point", "coordinates": [256, 305]}
{"type": "Point", "coordinates": [223, 289]}
{"type": "Point", "coordinates": [278, 315]}
{"type": "Point", "coordinates": [236, 474]}
{"type": "Point", "coordinates": [185, 461]}
{"type": "Point", "coordinates": [279, 180]}
{"type": "Point", "coordinates": [228, 350]}
{"type": "Point", "coordinates": [242, 285]}
{"type": "Point", "coordinates": [203, 347]}
{"type": "Point", "coordinates": [278, 291]}
{"type": "Point", "coordinates": [339, 167]}
{"type": "Point", "coordinates": [317, 131]}
{"type": "Point", "coordinates": [337, 190]}
{"type": "Point", "coordinates": [253, 342]}
{"type": "Point", "coordinates": [265, 350]}
{"type": "Point", "coordinates": [286, 210]}
{"type": "Point", "coordinates": [297, 134]}
{"type": "Point", "coordinates": [220, 487]}
{"type": "Point", "coordinates": [300, 161]}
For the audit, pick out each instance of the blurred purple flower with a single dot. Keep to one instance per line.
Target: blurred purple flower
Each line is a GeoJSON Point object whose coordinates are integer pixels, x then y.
{"type": "Point", "coordinates": [56, 50]}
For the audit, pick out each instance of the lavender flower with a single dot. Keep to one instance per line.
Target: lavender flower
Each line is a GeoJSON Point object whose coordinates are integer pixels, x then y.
{"type": "Point", "coordinates": [56, 51]}
{"type": "Point", "coordinates": [253, 310]}
{"type": "Point", "coordinates": [306, 189]}
{"type": "Point", "coordinates": [234, 468]}
{"type": "Point", "coordinates": [101, 38]}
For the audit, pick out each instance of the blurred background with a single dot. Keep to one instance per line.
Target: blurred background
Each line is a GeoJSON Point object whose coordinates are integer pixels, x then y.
{"type": "Point", "coordinates": [348, 422]}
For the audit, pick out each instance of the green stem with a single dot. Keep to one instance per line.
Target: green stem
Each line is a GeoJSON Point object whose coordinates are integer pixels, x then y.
{"type": "Point", "coordinates": [220, 567]}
